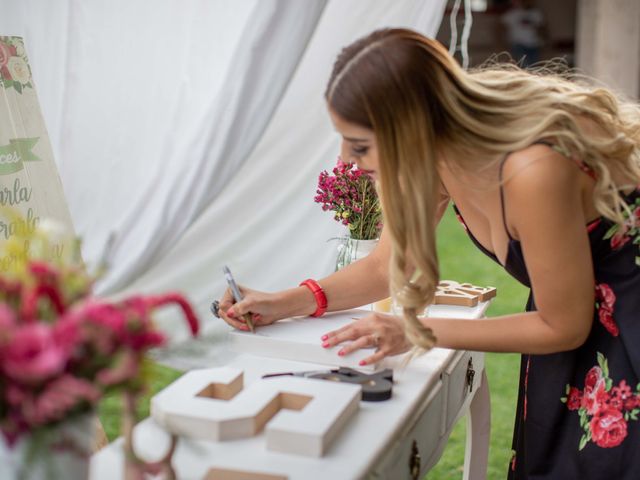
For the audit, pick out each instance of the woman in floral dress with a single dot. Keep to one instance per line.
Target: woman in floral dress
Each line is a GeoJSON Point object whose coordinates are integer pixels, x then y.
{"type": "Point", "coordinates": [545, 173]}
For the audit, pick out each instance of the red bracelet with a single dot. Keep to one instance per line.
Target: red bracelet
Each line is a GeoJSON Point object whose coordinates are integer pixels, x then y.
{"type": "Point", "coordinates": [318, 292]}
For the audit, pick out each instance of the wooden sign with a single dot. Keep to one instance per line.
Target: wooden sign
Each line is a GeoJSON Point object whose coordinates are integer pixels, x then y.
{"type": "Point", "coordinates": [29, 181]}
{"type": "Point", "coordinates": [211, 404]}
{"type": "Point", "coordinates": [462, 294]}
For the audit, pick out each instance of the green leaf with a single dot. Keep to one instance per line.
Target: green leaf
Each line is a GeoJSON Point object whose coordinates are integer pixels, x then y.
{"type": "Point", "coordinates": [583, 420]}
{"type": "Point", "coordinates": [634, 415]}
{"type": "Point", "coordinates": [626, 416]}
{"type": "Point", "coordinates": [17, 86]}
{"type": "Point", "coordinates": [563, 399]}
{"type": "Point", "coordinates": [608, 384]}
{"type": "Point", "coordinates": [611, 232]}
{"type": "Point", "coordinates": [602, 362]}
{"type": "Point", "coordinates": [583, 442]}
{"type": "Point", "coordinates": [638, 261]}
{"type": "Point", "coordinates": [567, 389]}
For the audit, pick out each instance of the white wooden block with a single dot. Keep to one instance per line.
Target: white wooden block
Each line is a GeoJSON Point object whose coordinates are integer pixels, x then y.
{"type": "Point", "coordinates": [320, 409]}
{"type": "Point", "coordinates": [457, 311]}
{"type": "Point", "coordinates": [299, 339]}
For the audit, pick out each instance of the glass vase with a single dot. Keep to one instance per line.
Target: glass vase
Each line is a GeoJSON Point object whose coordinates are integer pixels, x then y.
{"type": "Point", "coordinates": [58, 452]}
{"type": "Point", "coordinates": [351, 250]}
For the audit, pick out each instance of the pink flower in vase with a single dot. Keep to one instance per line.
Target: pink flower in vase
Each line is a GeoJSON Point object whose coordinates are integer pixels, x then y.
{"type": "Point", "coordinates": [351, 195]}
{"type": "Point", "coordinates": [59, 398]}
{"type": "Point", "coordinates": [33, 355]}
{"type": "Point", "coordinates": [61, 350]}
{"type": "Point", "coordinates": [7, 319]}
{"type": "Point", "coordinates": [124, 368]}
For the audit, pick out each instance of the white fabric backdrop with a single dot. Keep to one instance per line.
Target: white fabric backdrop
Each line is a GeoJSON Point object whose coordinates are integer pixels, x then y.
{"type": "Point", "coordinates": [195, 130]}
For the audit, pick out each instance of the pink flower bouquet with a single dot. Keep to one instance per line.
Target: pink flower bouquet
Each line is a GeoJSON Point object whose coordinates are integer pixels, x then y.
{"type": "Point", "coordinates": [62, 350]}
{"type": "Point", "coordinates": [351, 195]}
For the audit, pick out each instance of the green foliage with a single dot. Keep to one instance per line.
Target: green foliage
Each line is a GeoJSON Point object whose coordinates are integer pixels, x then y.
{"type": "Point", "coordinates": [110, 408]}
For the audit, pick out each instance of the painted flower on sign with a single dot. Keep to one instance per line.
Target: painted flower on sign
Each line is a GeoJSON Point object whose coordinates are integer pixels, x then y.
{"type": "Point", "coordinates": [14, 65]}
{"type": "Point", "coordinates": [19, 70]}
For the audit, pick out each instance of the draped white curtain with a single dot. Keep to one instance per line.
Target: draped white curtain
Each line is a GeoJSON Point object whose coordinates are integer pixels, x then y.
{"type": "Point", "coordinates": [194, 130]}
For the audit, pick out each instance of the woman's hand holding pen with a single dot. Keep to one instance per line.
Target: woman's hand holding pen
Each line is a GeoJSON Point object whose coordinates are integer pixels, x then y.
{"type": "Point", "coordinates": [386, 332]}
{"type": "Point", "coordinates": [265, 308]}
{"type": "Point", "coordinates": [262, 307]}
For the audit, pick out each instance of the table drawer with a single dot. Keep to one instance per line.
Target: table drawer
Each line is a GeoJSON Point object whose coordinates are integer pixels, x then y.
{"type": "Point", "coordinates": [409, 455]}
{"type": "Point", "coordinates": [460, 378]}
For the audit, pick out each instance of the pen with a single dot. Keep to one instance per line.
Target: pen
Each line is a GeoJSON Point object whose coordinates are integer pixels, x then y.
{"type": "Point", "coordinates": [237, 296]}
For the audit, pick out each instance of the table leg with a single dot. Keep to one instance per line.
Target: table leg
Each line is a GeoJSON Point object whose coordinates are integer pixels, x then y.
{"type": "Point", "coordinates": [478, 432]}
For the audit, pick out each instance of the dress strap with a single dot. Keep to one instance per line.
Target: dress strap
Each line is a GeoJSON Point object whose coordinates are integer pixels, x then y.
{"type": "Point", "coordinates": [583, 166]}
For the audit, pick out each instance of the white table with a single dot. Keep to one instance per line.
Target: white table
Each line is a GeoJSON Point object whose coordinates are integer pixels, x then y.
{"type": "Point", "coordinates": [399, 438]}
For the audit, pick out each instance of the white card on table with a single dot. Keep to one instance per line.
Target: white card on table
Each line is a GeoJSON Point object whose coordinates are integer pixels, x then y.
{"type": "Point", "coordinates": [299, 339]}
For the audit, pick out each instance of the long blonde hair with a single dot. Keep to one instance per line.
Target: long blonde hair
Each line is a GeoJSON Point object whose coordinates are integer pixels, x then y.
{"type": "Point", "coordinates": [419, 101]}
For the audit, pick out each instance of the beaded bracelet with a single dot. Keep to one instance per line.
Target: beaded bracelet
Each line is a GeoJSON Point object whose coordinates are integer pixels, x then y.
{"type": "Point", "coordinates": [318, 292]}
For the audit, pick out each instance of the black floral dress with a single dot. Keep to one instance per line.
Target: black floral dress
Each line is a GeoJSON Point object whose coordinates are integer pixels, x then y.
{"type": "Point", "coordinates": [578, 411]}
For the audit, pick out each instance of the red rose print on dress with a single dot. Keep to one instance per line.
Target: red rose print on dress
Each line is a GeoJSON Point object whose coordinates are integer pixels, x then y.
{"type": "Point", "coordinates": [605, 301]}
{"type": "Point", "coordinates": [604, 410]}
{"type": "Point", "coordinates": [620, 239]}
{"type": "Point", "coordinates": [574, 400]}
{"type": "Point", "coordinates": [608, 428]}
{"type": "Point", "coordinates": [594, 391]}
{"type": "Point", "coordinates": [628, 231]}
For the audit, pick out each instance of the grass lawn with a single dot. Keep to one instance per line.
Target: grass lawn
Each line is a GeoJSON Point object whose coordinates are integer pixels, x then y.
{"type": "Point", "coordinates": [459, 260]}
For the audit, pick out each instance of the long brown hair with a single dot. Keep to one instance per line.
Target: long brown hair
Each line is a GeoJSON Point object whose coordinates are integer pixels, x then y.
{"type": "Point", "coordinates": [419, 102]}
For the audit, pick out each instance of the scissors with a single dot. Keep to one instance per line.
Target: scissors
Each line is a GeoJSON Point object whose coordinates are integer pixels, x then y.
{"type": "Point", "coordinates": [376, 387]}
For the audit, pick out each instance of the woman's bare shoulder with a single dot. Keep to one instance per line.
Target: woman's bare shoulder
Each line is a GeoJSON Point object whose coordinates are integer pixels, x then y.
{"type": "Point", "coordinates": [538, 168]}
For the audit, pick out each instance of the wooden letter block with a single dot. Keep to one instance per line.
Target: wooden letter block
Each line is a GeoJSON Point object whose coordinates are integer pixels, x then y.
{"type": "Point", "coordinates": [298, 415]}
{"type": "Point", "coordinates": [227, 474]}
{"type": "Point", "coordinates": [462, 294]}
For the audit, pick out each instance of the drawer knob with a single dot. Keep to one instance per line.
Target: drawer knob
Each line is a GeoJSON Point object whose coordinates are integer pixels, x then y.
{"type": "Point", "coordinates": [414, 461]}
{"type": "Point", "coordinates": [470, 374]}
